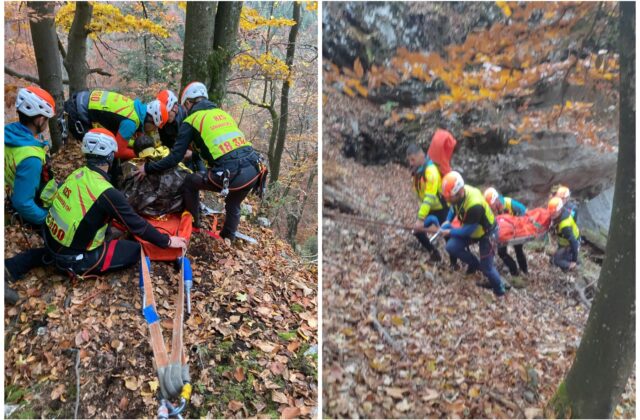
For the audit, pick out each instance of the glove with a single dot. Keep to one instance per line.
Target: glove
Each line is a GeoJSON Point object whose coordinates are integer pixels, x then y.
{"type": "Point", "coordinates": [431, 220]}
{"type": "Point", "coordinates": [446, 225]}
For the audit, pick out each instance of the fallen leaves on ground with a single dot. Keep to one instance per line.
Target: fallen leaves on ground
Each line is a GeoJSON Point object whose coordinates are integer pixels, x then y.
{"type": "Point", "coordinates": [464, 352]}
{"type": "Point", "coordinates": [240, 366]}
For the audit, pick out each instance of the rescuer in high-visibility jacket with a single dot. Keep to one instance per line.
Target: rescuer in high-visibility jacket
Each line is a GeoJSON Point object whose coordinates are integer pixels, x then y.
{"type": "Point", "coordinates": [77, 221]}
{"type": "Point", "coordinates": [168, 120]}
{"type": "Point", "coordinates": [478, 225]}
{"type": "Point", "coordinates": [506, 205]}
{"type": "Point", "coordinates": [27, 172]}
{"type": "Point", "coordinates": [125, 117]}
{"type": "Point", "coordinates": [568, 234]}
{"type": "Point", "coordinates": [228, 155]}
{"type": "Point", "coordinates": [427, 183]}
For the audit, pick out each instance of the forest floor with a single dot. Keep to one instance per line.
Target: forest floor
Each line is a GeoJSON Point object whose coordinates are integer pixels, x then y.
{"type": "Point", "coordinates": [405, 338]}
{"type": "Point", "coordinates": [251, 339]}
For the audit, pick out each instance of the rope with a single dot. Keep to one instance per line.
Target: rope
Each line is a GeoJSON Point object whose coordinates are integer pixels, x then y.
{"type": "Point", "coordinates": [371, 222]}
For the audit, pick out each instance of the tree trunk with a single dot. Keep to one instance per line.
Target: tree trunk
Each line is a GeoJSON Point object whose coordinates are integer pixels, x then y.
{"type": "Point", "coordinates": [224, 47]}
{"type": "Point", "coordinates": [293, 219]}
{"type": "Point", "coordinates": [76, 60]}
{"type": "Point", "coordinates": [48, 60]}
{"type": "Point", "coordinates": [274, 170]}
{"type": "Point", "coordinates": [198, 37]}
{"type": "Point", "coordinates": [606, 355]}
{"type": "Point", "coordinates": [275, 121]}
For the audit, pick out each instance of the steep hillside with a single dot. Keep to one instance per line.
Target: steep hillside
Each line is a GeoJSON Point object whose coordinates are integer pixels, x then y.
{"type": "Point", "coordinates": [251, 339]}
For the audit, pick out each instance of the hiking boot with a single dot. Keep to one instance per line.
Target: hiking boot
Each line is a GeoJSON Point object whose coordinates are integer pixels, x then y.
{"type": "Point", "coordinates": [11, 297]}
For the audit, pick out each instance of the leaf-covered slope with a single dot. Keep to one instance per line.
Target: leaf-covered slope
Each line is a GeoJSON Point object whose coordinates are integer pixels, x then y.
{"type": "Point", "coordinates": [439, 346]}
{"type": "Point", "coordinates": [250, 339]}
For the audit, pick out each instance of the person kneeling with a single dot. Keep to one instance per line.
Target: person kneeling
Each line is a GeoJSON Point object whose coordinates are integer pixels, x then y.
{"type": "Point", "coordinates": [235, 169]}
{"type": "Point", "coordinates": [78, 220]}
{"type": "Point", "coordinates": [566, 256]}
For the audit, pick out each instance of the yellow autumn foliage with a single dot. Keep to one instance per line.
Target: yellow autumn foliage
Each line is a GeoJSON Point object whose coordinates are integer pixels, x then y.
{"type": "Point", "coordinates": [267, 64]}
{"type": "Point", "coordinates": [251, 19]}
{"type": "Point", "coordinates": [108, 18]}
{"type": "Point", "coordinates": [311, 6]}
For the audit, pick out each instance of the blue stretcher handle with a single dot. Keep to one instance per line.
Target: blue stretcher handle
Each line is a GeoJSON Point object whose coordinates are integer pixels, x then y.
{"type": "Point", "coordinates": [188, 282]}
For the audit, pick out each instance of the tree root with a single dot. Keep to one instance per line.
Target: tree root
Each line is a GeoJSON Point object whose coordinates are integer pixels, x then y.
{"type": "Point", "coordinates": [510, 405]}
{"type": "Point", "coordinates": [373, 315]}
{"type": "Point", "coordinates": [581, 295]}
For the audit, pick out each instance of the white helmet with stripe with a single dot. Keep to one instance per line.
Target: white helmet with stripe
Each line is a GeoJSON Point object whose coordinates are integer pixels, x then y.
{"type": "Point", "coordinates": [99, 142]}
{"type": "Point", "coordinates": [167, 97]}
{"type": "Point", "coordinates": [33, 100]}
{"type": "Point", "coordinates": [192, 91]}
{"type": "Point", "coordinates": [159, 112]}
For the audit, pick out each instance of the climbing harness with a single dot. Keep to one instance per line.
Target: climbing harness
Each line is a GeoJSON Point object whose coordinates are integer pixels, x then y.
{"type": "Point", "coordinates": [172, 370]}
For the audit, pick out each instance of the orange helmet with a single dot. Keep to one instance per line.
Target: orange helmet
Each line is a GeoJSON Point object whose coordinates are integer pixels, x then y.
{"type": "Point", "coordinates": [168, 98]}
{"type": "Point", "coordinates": [452, 183]}
{"type": "Point", "coordinates": [491, 195]}
{"type": "Point", "coordinates": [158, 112]}
{"type": "Point", "coordinates": [555, 205]}
{"type": "Point", "coordinates": [33, 100]}
{"type": "Point", "coordinates": [563, 192]}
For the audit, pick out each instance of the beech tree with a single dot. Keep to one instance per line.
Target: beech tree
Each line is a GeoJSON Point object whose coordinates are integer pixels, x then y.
{"type": "Point", "coordinates": [43, 33]}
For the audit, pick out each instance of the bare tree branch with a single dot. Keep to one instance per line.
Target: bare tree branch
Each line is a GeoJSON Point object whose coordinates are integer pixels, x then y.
{"type": "Point", "coordinates": [242, 95]}
{"type": "Point", "coordinates": [34, 79]}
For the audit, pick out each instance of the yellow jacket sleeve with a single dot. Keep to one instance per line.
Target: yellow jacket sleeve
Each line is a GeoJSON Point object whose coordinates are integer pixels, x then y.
{"type": "Point", "coordinates": [429, 191]}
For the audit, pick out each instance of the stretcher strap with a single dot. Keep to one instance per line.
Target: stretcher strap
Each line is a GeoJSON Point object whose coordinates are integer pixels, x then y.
{"type": "Point", "coordinates": [178, 318]}
{"type": "Point", "coordinates": [151, 315]}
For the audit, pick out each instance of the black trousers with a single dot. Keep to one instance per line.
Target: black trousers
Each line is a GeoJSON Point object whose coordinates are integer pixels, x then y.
{"type": "Point", "coordinates": [510, 263]}
{"type": "Point", "coordinates": [243, 176]}
{"type": "Point", "coordinates": [113, 255]}
{"type": "Point", "coordinates": [422, 237]}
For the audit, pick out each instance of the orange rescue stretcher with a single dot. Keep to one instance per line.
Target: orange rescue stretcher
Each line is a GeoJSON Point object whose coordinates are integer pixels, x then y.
{"type": "Point", "coordinates": [173, 224]}
{"type": "Point", "coordinates": [516, 230]}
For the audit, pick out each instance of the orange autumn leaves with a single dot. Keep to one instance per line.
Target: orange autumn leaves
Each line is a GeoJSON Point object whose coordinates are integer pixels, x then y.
{"type": "Point", "coordinates": [507, 60]}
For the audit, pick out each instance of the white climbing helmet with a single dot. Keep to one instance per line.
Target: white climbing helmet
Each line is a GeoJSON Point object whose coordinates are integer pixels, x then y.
{"type": "Point", "coordinates": [452, 183]}
{"type": "Point", "coordinates": [159, 112]}
{"type": "Point", "coordinates": [167, 97]}
{"type": "Point", "coordinates": [192, 91]}
{"type": "Point", "coordinates": [99, 142]}
{"type": "Point", "coordinates": [491, 195]}
{"type": "Point", "coordinates": [32, 101]}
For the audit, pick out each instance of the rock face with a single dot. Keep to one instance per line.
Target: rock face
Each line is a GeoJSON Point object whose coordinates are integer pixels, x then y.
{"type": "Point", "coordinates": [594, 217]}
{"type": "Point", "coordinates": [374, 30]}
{"type": "Point", "coordinates": [526, 171]}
